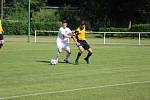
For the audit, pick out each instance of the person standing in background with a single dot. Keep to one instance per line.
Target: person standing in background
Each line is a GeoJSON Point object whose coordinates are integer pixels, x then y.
{"type": "Point", "coordinates": [1, 35]}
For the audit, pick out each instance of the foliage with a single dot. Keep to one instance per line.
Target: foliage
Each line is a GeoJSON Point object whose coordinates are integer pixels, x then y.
{"type": "Point", "coordinates": [100, 13]}
{"type": "Point", "coordinates": [15, 27]}
{"type": "Point", "coordinates": [45, 26]}
{"type": "Point", "coordinates": [21, 28]}
{"type": "Point", "coordinates": [141, 28]}
{"type": "Point", "coordinates": [135, 28]}
{"type": "Point", "coordinates": [45, 15]}
{"type": "Point", "coordinates": [116, 13]}
{"type": "Point", "coordinates": [113, 29]}
{"type": "Point", "coordinates": [36, 4]}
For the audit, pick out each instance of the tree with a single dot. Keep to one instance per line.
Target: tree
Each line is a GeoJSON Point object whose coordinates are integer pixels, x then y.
{"type": "Point", "coordinates": [107, 13]}
{"type": "Point", "coordinates": [36, 4]}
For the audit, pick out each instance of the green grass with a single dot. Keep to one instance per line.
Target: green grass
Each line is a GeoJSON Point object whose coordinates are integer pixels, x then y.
{"type": "Point", "coordinates": [25, 70]}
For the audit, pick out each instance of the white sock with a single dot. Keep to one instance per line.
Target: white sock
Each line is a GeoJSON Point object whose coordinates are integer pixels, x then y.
{"type": "Point", "coordinates": [67, 56]}
{"type": "Point", "coordinates": [57, 56]}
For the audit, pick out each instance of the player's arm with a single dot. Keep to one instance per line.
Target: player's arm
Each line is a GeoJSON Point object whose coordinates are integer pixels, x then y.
{"type": "Point", "coordinates": [74, 35]}
{"type": "Point", "coordinates": [67, 36]}
{"type": "Point", "coordinates": [63, 33]}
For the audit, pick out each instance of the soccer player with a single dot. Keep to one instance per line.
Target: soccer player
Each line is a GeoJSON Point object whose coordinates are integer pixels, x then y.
{"type": "Point", "coordinates": [79, 38]}
{"type": "Point", "coordinates": [62, 38]}
{"type": "Point", "coordinates": [1, 35]}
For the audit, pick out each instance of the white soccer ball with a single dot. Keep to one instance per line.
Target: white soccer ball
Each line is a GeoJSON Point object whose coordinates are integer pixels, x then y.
{"type": "Point", "coordinates": [53, 62]}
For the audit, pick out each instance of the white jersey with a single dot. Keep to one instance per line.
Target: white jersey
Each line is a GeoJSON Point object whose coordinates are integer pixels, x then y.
{"type": "Point", "coordinates": [62, 31]}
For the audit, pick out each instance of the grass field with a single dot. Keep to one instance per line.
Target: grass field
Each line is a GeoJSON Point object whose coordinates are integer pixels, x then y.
{"type": "Point", "coordinates": [116, 72]}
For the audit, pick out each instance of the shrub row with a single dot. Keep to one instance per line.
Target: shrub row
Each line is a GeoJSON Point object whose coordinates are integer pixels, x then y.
{"type": "Point", "coordinates": [135, 28]}
{"type": "Point", "coordinates": [21, 28]}
{"type": "Point", "coordinates": [140, 28]}
{"type": "Point", "coordinates": [15, 27]}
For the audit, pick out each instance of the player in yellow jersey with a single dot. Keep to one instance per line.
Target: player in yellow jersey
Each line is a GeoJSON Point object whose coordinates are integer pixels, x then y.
{"type": "Point", "coordinates": [79, 38]}
{"type": "Point", "coordinates": [1, 35]}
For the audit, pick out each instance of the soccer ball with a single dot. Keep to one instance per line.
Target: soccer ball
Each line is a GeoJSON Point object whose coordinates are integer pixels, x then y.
{"type": "Point", "coordinates": [53, 62]}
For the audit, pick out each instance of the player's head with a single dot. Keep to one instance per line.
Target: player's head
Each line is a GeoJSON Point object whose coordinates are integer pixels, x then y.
{"type": "Point", "coordinates": [82, 24]}
{"type": "Point", "coordinates": [64, 23]}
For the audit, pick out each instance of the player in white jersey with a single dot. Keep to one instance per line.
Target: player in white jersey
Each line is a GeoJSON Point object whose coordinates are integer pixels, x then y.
{"type": "Point", "coordinates": [62, 38]}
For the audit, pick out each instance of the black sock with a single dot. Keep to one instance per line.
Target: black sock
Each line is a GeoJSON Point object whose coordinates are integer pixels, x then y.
{"type": "Point", "coordinates": [79, 54]}
{"type": "Point", "coordinates": [1, 45]}
{"type": "Point", "coordinates": [88, 55]}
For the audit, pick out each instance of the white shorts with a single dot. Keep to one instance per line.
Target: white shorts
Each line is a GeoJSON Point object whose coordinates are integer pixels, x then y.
{"type": "Point", "coordinates": [63, 45]}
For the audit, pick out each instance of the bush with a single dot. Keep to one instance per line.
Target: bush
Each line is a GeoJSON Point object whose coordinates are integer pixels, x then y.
{"type": "Point", "coordinates": [45, 26]}
{"type": "Point", "coordinates": [15, 27]}
{"type": "Point", "coordinates": [135, 28]}
{"type": "Point", "coordinates": [21, 28]}
{"type": "Point", "coordinates": [113, 29]}
{"type": "Point", "coordinates": [140, 28]}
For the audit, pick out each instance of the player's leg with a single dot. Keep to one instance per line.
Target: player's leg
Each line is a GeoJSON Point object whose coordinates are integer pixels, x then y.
{"type": "Point", "coordinates": [81, 49]}
{"type": "Point", "coordinates": [1, 40]}
{"type": "Point", "coordinates": [59, 50]}
{"type": "Point", "coordinates": [68, 51]}
{"type": "Point", "coordinates": [90, 52]}
{"type": "Point", "coordinates": [1, 45]}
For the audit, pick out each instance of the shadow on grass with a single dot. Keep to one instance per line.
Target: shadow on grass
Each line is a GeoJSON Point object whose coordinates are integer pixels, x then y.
{"type": "Point", "coordinates": [43, 61]}
{"type": "Point", "coordinates": [47, 61]}
{"type": "Point", "coordinates": [63, 62]}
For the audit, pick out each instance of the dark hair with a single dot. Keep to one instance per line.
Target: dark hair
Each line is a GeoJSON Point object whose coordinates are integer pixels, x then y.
{"type": "Point", "coordinates": [82, 23]}
{"type": "Point", "coordinates": [64, 21]}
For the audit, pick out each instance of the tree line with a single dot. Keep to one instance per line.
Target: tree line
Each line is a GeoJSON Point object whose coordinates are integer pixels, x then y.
{"type": "Point", "coordinates": [117, 13]}
{"type": "Point", "coordinates": [101, 12]}
{"type": "Point", "coordinates": [96, 13]}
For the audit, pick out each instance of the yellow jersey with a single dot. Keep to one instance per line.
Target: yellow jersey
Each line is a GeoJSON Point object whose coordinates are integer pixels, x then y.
{"type": "Point", "coordinates": [1, 29]}
{"type": "Point", "coordinates": [81, 34]}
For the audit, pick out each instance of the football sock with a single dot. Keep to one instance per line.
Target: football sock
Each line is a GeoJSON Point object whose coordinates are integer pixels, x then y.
{"type": "Point", "coordinates": [57, 56]}
{"type": "Point", "coordinates": [78, 55]}
{"type": "Point", "coordinates": [1, 45]}
{"type": "Point", "coordinates": [88, 55]}
{"type": "Point", "coordinates": [67, 56]}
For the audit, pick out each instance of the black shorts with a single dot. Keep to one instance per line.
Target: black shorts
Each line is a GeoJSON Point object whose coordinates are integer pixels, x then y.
{"type": "Point", "coordinates": [84, 44]}
{"type": "Point", "coordinates": [1, 37]}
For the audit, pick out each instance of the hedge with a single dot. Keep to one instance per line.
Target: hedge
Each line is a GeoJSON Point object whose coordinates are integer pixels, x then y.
{"type": "Point", "coordinates": [15, 27]}
{"type": "Point", "coordinates": [140, 28]}
{"type": "Point", "coordinates": [21, 28]}
{"type": "Point", "coordinates": [135, 28]}
{"type": "Point", "coordinates": [53, 26]}
{"type": "Point", "coordinates": [113, 29]}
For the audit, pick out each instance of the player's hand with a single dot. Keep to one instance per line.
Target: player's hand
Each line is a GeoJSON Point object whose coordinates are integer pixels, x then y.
{"type": "Point", "coordinates": [77, 43]}
{"type": "Point", "coordinates": [70, 36]}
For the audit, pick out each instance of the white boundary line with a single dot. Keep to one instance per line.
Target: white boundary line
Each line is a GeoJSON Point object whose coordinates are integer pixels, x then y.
{"type": "Point", "coordinates": [72, 90]}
